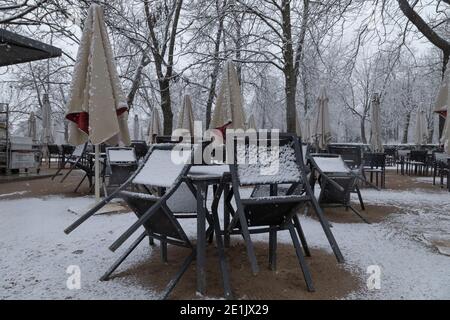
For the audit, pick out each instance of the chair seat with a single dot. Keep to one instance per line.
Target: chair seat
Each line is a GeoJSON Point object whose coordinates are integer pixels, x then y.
{"type": "Point", "coordinates": [273, 199]}
{"type": "Point", "coordinates": [373, 170]}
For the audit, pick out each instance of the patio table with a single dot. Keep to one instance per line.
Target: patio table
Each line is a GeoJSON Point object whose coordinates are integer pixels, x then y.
{"type": "Point", "coordinates": [200, 178]}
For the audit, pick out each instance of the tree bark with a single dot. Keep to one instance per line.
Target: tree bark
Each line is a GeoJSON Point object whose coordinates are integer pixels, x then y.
{"type": "Point", "coordinates": [290, 76]}
{"type": "Point", "coordinates": [426, 30]}
{"type": "Point", "coordinates": [166, 106]}
{"type": "Point", "coordinates": [406, 128]}
{"type": "Point", "coordinates": [363, 130]}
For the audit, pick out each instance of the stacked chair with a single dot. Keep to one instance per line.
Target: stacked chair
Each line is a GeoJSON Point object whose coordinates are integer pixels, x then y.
{"type": "Point", "coordinates": [159, 173]}
{"type": "Point", "coordinates": [337, 181]}
{"type": "Point", "coordinates": [277, 193]}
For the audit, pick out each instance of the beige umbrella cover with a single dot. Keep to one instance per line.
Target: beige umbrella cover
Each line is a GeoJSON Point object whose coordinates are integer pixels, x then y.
{"type": "Point", "coordinates": [136, 128]}
{"type": "Point", "coordinates": [445, 139]}
{"type": "Point", "coordinates": [229, 106]}
{"type": "Point", "coordinates": [443, 99]}
{"type": "Point", "coordinates": [32, 126]}
{"type": "Point", "coordinates": [306, 132]}
{"type": "Point", "coordinates": [96, 106]}
{"type": "Point", "coordinates": [322, 130]}
{"type": "Point", "coordinates": [46, 135]}
{"type": "Point", "coordinates": [251, 123]}
{"type": "Point", "coordinates": [421, 134]}
{"type": "Point", "coordinates": [376, 144]}
{"type": "Point", "coordinates": [186, 116]}
{"type": "Point", "coordinates": [154, 128]}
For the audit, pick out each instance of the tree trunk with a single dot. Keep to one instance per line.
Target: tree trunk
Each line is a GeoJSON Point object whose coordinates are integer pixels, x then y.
{"type": "Point", "coordinates": [363, 130]}
{"type": "Point", "coordinates": [166, 106]}
{"type": "Point", "coordinates": [406, 128]}
{"type": "Point", "coordinates": [290, 75]}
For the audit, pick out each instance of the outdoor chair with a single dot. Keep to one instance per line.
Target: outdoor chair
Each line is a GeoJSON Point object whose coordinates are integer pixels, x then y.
{"type": "Point", "coordinates": [417, 163]}
{"type": "Point", "coordinates": [121, 162]}
{"type": "Point", "coordinates": [390, 156]}
{"type": "Point", "coordinates": [375, 165]}
{"type": "Point", "coordinates": [441, 168]}
{"type": "Point", "coordinates": [400, 160]}
{"type": "Point", "coordinates": [78, 160]}
{"type": "Point", "coordinates": [267, 209]}
{"type": "Point", "coordinates": [54, 152]}
{"type": "Point", "coordinates": [351, 155]}
{"type": "Point", "coordinates": [140, 148]}
{"type": "Point", "coordinates": [157, 172]}
{"type": "Point", "coordinates": [337, 181]}
{"type": "Point", "coordinates": [66, 151]}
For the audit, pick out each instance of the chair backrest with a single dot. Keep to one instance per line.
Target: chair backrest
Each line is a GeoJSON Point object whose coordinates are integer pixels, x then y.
{"type": "Point", "coordinates": [261, 161]}
{"type": "Point", "coordinates": [441, 158]}
{"type": "Point", "coordinates": [163, 166]}
{"type": "Point", "coordinates": [403, 153]}
{"type": "Point", "coordinates": [350, 154]}
{"type": "Point", "coordinates": [120, 155]}
{"type": "Point", "coordinates": [418, 155]}
{"type": "Point", "coordinates": [330, 163]}
{"type": "Point", "coordinates": [53, 149]}
{"type": "Point", "coordinates": [67, 149]}
{"type": "Point", "coordinates": [390, 151]}
{"type": "Point", "coordinates": [375, 160]}
{"type": "Point", "coordinates": [79, 150]}
{"type": "Point", "coordinates": [140, 148]}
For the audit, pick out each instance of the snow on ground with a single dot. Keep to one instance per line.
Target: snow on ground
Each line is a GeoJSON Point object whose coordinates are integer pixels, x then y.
{"type": "Point", "coordinates": [36, 253]}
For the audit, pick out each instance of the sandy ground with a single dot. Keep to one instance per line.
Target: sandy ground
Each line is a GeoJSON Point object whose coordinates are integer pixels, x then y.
{"type": "Point", "coordinates": [331, 280]}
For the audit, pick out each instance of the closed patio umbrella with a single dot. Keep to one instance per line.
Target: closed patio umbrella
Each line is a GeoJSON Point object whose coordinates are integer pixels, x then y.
{"type": "Point", "coordinates": [136, 128]}
{"type": "Point", "coordinates": [96, 108]}
{"type": "Point", "coordinates": [46, 133]}
{"type": "Point", "coordinates": [251, 123]}
{"type": "Point", "coordinates": [321, 128]}
{"type": "Point", "coordinates": [32, 126]}
{"type": "Point", "coordinates": [443, 99]}
{"type": "Point", "coordinates": [421, 134]}
{"type": "Point", "coordinates": [445, 139]}
{"type": "Point", "coordinates": [376, 144]}
{"type": "Point", "coordinates": [154, 128]}
{"type": "Point", "coordinates": [186, 116]}
{"type": "Point", "coordinates": [229, 106]}
{"type": "Point", "coordinates": [306, 132]}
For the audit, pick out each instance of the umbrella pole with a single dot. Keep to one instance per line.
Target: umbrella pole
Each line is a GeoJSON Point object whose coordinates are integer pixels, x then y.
{"type": "Point", "coordinates": [97, 173]}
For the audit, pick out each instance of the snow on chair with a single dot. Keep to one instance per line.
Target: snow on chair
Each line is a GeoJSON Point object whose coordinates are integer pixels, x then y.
{"type": "Point", "coordinates": [337, 181]}
{"type": "Point", "coordinates": [265, 210]}
{"type": "Point", "coordinates": [159, 172]}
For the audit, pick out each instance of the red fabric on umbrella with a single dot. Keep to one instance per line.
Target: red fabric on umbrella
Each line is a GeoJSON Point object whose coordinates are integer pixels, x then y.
{"type": "Point", "coordinates": [81, 119]}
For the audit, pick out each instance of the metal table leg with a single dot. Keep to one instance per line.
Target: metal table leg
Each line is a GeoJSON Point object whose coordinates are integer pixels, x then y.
{"type": "Point", "coordinates": [201, 237]}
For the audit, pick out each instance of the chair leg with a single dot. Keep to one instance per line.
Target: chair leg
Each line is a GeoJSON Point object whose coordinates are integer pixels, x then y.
{"type": "Point", "coordinates": [301, 258]}
{"type": "Point", "coordinates": [163, 251]}
{"type": "Point", "coordinates": [118, 262]}
{"type": "Point", "coordinates": [226, 216]}
{"type": "Point", "coordinates": [171, 285]}
{"type": "Point", "coordinates": [359, 215]}
{"type": "Point", "coordinates": [79, 184]}
{"type": "Point", "coordinates": [222, 259]}
{"type": "Point", "coordinates": [273, 249]}
{"type": "Point", "coordinates": [301, 235]}
{"type": "Point", "coordinates": [248, 241]}
{"type": "Point", "coordinates": [326, 228]}
{"type": "Point", "coordinates": [361, 202]}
